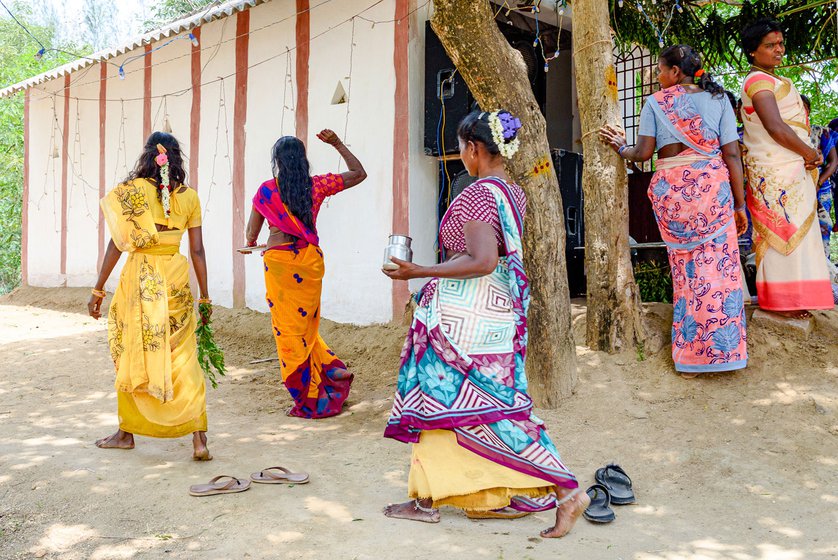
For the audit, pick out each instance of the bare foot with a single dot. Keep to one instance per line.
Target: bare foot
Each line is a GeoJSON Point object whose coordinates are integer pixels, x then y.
{"type": "Point", "coordinates": [688, 374]}
{"type": "Point", "coordinates": [795, 314]}
{"type": "Point", "coordinates": [118, 440]}
{"type": "Point", "coordinates": [566, 516]}
{"type": "Point", "coordinates": [415, 510]}
{"type": "Point", "coordinates": [199, 444]}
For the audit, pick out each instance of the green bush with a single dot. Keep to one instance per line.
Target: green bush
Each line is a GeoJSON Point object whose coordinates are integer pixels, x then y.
{"type": "Point", "coordinates": [654, 281]}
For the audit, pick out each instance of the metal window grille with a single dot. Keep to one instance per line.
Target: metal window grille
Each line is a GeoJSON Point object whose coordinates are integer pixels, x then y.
{"type": "Point", "coordinates": [635, 82]}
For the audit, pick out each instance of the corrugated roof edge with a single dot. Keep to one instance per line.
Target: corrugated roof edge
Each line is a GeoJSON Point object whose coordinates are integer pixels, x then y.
{"type": "Point", "coordinates": [185, 24]}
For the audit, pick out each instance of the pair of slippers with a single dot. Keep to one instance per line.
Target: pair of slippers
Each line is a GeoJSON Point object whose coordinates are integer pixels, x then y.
{"type": "Point", "coordinates": [226, 484]}
{"type": "Point", "coordinates": [613, 487]}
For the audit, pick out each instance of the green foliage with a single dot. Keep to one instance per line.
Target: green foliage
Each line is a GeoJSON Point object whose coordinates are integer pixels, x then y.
{"type": "Point", "coordinates": [654, 281]}
{"type": "Point", "coordinates": [167, 11]}
{"type": "Point", "coordinates": [210, 356]}
{"type": "Point", "coordinates": [713, 27]}
{"type": "Point", "coordinates": [17, 62]}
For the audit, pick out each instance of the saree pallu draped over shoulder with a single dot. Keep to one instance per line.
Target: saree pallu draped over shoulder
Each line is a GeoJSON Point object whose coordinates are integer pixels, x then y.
{"type": "Point", "coordinates": [314, 376]}
{"type": "Point", "coordinates": [693, 205]}
{"type": "Point", "coordinates": [151, 322]}
{"type": "Point", "coordinates": [462, 390]}
{"type": "Point", "coordinates": [782, 198]}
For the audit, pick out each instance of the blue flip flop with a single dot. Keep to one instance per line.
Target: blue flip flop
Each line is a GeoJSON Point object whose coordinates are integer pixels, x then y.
{"type": "Point", "coordinates": [599, 510]}
{"type": "Point", "coordinates": [618, 483]}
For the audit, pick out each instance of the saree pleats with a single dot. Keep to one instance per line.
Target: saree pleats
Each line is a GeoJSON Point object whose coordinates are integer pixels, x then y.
{"type": "Point", "coordinates": [315, 378]}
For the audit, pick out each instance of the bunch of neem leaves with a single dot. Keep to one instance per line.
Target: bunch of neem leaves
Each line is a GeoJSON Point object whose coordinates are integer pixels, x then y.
{"type": "Point", "coordinates": [210, 356]}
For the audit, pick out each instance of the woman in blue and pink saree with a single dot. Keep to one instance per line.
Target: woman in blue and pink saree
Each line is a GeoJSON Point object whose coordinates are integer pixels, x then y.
{"type": "Point", "coordinates": [699, 175]}
{"type": "Point", "coordinates": [461, 397]}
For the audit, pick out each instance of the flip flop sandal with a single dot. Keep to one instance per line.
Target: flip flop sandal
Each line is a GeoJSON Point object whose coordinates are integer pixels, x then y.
{"type": "Point", "coordinates": [279, 475]}
{"type": "Point", "coordinates": [618, 483]}
{"type": "Point", "coordinates": [599, 510]}
{"type": "Point", "coordinates": [502, 513]}
{"type": "Point", "coordinates": [216, 486]}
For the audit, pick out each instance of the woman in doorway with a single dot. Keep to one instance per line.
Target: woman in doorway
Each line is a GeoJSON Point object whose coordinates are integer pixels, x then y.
{"type": "Point", "coordinates": [316, 379]}
{"type": "Point", "coordinates": [462, 397]}
{"type": "Point", "coordinates": [699, 203]}
{"type": "Point", "coordinates": [792, 277]}
{"type": "Point", "coordinates": [151, 320]}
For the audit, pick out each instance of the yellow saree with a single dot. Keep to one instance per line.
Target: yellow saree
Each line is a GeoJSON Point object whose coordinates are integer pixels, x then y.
{"type": "Point", "coordinates": [151, 320]}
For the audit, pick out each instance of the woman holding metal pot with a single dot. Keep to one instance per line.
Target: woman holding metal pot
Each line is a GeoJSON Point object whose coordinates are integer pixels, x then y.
{"type": "Point", "coordinates": [461, 398]}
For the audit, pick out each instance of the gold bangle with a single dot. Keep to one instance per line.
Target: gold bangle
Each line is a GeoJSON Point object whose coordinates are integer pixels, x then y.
{"type": "Point", "coordinates": [205, 300]}
{"type": "Point", "coordinates": [99, 293]}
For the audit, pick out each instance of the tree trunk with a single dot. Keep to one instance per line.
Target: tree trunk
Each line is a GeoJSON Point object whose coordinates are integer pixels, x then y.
{"type": "Point", "coordinates": [497, 77]}
{"type": "Point", "coordinates": [614, 320]}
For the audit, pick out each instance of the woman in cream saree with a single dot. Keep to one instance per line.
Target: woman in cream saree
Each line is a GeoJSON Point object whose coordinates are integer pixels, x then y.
{"type": "Point", "coordinates": [792, 276]}
{"type": "Point", "coordinates": [151, 320]}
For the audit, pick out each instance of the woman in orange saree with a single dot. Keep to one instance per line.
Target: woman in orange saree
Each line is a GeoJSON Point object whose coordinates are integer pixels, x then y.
{"type": "Point", "coordinates": [151, 320]}
{"type": "Point", "coordinates": [314, 376]}
{"type": "Point", "coordinates": [792, 276]}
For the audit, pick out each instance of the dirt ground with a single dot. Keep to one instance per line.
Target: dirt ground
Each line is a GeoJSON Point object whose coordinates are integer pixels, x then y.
{"type": "Point", "coordinates": [739, 466]}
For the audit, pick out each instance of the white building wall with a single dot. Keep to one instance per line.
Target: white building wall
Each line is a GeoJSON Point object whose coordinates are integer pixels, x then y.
{"type": "Point", "coordinates": [271, 114]}
{"type": "Point", "coordinates": [354, 226]}
{"type": "Point", "coordinates": [83, 179]}
{"type": "Point", "coordinates": [123, 130]}
{"type": "Point", "coordinates": [45, 115]}
{"type": "Point", "coordinates": [216, 154]}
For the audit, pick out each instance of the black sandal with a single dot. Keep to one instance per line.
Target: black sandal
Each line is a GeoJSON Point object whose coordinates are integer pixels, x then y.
{"type": "Point", "coordinates": [618, 483]}
{"type": "Point", "coordinates": [599, 510]}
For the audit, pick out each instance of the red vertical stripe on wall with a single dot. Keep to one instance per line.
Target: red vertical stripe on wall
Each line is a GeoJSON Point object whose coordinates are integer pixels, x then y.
{"type": "Point", "coordinates": [103, 108]}
{"type": "Point", "coordinates": [147, 93]}
{"type": "Point", "coordinates": [24, 209]}
{"type": "Point", "coordinates": [195, 116]}
{"type": "Point", "coordinates": [303, 31]}
{"type": "Point", "coordinates": [239, 120]}
{"type": "Point", "coordinates": [65, 160]}
{"type": "Point", "coordinates": [401, 143]}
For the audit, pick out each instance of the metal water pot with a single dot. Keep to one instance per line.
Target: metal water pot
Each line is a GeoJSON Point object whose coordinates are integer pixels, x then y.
{"type": "Point", "coordinates": [399, 247]}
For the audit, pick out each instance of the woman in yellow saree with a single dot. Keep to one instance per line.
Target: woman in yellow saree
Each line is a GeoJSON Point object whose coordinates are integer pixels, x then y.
{"type": "Point", "coordinates": [151, 319]}
{"type": "Point", "coordinates": [792, 276]}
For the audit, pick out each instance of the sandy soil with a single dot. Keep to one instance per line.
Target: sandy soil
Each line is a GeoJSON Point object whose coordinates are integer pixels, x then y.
{"type": "Point", "coordinates": [739, 466]}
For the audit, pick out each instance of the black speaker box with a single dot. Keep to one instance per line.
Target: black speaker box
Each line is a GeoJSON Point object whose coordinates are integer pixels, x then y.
{"type": "Point", "coordinates": [568, 167]}
{"type": "Point", "coordinates": [443, 85]}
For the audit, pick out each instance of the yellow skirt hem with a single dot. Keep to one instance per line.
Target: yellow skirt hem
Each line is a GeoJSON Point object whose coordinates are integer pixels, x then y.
{"type": "Point", "coordinates": [485, 500]}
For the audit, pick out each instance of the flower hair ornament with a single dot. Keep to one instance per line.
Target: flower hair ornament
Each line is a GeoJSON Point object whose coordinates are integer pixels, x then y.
{"type": "Point", "coordinates": [504, 127]}
{"type": "Point", "coordinates": [163, 161]}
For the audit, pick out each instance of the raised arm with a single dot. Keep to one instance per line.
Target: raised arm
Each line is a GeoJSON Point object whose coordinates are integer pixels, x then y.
{"type": "Point", "coordinates": [356, 172]}
{"type": "Point", "coordinates": [765, 104]}
{"type": "Point", "coordinates": [112, 254]}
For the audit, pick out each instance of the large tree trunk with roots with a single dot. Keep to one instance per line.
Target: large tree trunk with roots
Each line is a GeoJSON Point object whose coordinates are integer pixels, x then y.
{"type": "Point", "coordinates": [497, 77]}
{"type": "Point", "coordinates": [614, 320]}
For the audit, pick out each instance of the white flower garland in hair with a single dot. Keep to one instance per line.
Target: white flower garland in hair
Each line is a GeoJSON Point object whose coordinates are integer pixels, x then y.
{"type": "Point", "coordinates": [163, 161]}
{"type": "Point", "coordinates": [509, 149]}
